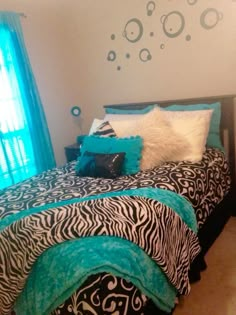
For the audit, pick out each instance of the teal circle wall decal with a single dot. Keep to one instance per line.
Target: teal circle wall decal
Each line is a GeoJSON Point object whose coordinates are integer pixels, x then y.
{"type": "Point", "coordinates": [173, 23]}
{"type": "Point", "coordinates": [75, 111]}
{"type": "Point", "coordinates": [111, 55]}
{"type": "Point", "coordinates": [150, 7]}
{"type": "Point", "coordinates": [133, 30]}
{"type": "Point", "coordinates": [145, 55]}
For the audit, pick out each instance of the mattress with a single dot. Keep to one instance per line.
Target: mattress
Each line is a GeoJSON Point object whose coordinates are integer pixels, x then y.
{"type": "Point", "coordinates": [202, 185]}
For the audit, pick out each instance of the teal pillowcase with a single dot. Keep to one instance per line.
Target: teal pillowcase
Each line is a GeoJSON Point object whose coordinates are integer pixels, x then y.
{"type": "Point", "coordinates": [213, 139]}
{"type": "Point", "coordinates": [120, 111]}
{"type": "Point", "coordinates": [132, 147]}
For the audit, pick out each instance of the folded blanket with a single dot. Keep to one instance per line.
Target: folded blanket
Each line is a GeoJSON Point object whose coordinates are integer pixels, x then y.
{"type": "Point", "coordinates": [63, 268]}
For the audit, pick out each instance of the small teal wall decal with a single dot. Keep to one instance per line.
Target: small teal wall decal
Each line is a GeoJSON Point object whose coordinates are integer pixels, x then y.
{"type": "Point", "coordinates": [111, 55]}
{"type": "Point", "coordinates": [210, 17]}
{"type": "Point", "coordinates": [150, 7]}
{"type": "Point", "coordinates": [188, 37]}
{"type": "Point", "coordinates": [173, 23]}
{"type": "Point", "coordinates": [133, 30]}
{"type": "Point", "coordinates": [144, 55]}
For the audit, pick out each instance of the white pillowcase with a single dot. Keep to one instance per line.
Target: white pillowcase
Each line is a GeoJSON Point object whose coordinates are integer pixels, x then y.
{"type": "Point", "coordinates": [111, 117]}
{"type": "Point", "coordinates": [160, 142]}
{"type": "Point", "coordinates": [193, 127]}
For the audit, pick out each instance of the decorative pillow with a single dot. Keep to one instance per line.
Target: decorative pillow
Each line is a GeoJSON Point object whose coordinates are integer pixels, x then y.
{"type": "Point", "coordinates": [128, 111]}
{"type": "Point", "coordinates": [213, 139]}
{"type": "Point", "coordinates": [160, 142]}
{"type": "Point", "coordinates": [128, 114]}
{"type": "Point", "coordinates": [95, 124]}
{"type": "Point", "coordinates": [193, 127]}
{"type": "Point", "coordinates": [111, 117]}
{"type": "Point", "coordinates": [105, 130]}
{"type": "Point", "coordinates": [100, 165]}
{"type": "Point", "coordinates": [131, 146]}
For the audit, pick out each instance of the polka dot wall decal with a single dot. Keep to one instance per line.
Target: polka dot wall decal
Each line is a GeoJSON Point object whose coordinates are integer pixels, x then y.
{"type": "Point", "coordinates": [210, 18]}
{"type": "Point", "coordinates": [118, 68]}
{"type": "Point", "coordinates": [127, 55]}
{"type": "Point", "coordinates": [113, 37]}
{"type": "Point", "coordinates": [133, 30]}
{"type": "Point", "coordinates": [151, 34]}
{"type": "Point", "coordinates": [150, 8]}
{"type": "Point", "coordinates": [162, 46]}
{"type": "Point", "coordinates": [111, 55]}
{"type": "Point", "coordinates": [173, 24]}
{"type": "Point", "coordinates": [188, 37]}
{"type": "Point", "coordinates": [145, 55]}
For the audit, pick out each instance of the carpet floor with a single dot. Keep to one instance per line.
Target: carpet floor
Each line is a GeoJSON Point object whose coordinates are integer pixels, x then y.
{"type": "Point", "coordinates": [215, 294]}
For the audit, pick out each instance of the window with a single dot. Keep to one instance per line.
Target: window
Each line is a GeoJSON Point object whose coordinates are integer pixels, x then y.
{"type": "Point", "coordinates": [22, 146]}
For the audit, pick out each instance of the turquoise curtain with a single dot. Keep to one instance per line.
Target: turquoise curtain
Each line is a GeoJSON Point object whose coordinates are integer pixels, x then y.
{"type": "Point", "coordinates": [25, 144]}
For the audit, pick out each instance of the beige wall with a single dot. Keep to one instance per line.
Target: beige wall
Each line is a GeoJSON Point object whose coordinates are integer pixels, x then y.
{"type": "Point", "coordinates": [69, 41]}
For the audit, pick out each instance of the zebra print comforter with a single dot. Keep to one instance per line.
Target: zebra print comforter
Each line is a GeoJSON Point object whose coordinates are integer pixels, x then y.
{"type": "Point", "coordinates": [168, 237]}
{"type": "Point", "coordinates": [204, 184]}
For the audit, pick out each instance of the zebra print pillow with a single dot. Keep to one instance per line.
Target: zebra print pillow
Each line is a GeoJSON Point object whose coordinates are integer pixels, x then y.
{"type": "Point", "coordinates": [105, 130]}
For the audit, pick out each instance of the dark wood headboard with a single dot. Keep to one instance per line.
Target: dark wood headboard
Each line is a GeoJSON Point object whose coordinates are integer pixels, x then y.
{"type": "Point", "coordinates": [228, 121]}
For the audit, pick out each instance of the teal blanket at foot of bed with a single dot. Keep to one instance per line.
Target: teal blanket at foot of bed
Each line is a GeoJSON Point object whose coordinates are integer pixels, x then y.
{"type": "Point", "coordinates": [63, 268]}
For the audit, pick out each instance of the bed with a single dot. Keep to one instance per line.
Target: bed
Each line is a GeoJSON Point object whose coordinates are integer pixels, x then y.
{"type": "Point", "coordinates": [130, 243]}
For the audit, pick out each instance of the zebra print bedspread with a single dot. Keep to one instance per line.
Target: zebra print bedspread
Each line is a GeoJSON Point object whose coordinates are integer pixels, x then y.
{"type": "Point", "coordinates": [150, 224]}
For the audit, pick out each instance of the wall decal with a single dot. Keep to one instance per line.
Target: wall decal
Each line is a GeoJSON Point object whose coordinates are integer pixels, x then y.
{"type": "Point", "coordinates": [210, 17]}
{"type": "Point", "coordinates": [188, 37]}
{"type": "Point", "coordinates": [144, 55]}
{"type": "Point", "coordinates": [173, 23]}
{"type": "Point", "coordinates": [150, 7]}
{"type": "Point", "coordinates": [111, 55]}
{"type": "Point", "coordinates": [133, 30]}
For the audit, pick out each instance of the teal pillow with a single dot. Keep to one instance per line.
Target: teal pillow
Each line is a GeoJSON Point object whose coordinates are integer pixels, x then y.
{"type": "Point", "coordinates": [134, 111]}
{"type": "Point", "coordinates": [213, 139]}
{"type": "Point", "coordinates": [132, 147]}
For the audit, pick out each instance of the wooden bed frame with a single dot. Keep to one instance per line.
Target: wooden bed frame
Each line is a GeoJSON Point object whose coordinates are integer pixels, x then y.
{"type": "Point", "coordinates": [218, 218]}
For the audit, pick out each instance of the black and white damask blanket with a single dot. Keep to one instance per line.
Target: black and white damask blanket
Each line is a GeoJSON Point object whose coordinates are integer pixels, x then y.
{"type": "Point", "coordinates": [167, 236]}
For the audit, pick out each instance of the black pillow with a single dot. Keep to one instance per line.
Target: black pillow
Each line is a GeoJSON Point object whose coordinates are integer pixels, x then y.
{"type": "Point", "coordinates": [100, 164]}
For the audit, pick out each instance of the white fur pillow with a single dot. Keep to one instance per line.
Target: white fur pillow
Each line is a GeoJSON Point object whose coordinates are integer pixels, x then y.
{"type": "Point", "coordinates": [193, 127]}
{"type": "Point", "coordinates": [160, 142]}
